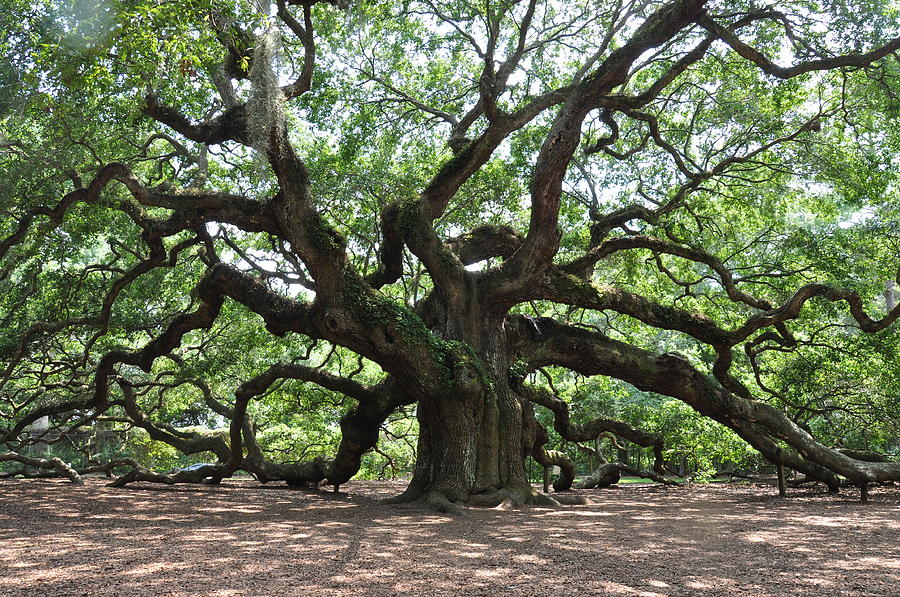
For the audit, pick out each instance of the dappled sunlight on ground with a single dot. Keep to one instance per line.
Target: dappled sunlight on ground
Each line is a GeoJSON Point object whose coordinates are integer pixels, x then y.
{"type": "Point", "coordinates": [241, 539]}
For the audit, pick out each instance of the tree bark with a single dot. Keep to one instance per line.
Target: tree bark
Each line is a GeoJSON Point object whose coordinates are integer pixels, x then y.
{"type": "Point", "coordinates": [46, 463]}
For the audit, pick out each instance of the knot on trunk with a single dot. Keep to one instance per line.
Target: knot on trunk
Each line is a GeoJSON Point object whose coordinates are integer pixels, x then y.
{"type": "Point", "coordinates": [385, 339]}
{"type": "Point", "coordinates": [468, 380]}
{"type": "Point", "coordinates": [335, 321]}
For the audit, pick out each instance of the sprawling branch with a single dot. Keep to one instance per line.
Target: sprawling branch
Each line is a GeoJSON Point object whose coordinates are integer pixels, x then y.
{"type": "Point", "coordinates": [359, 427]}
{"type": "Point", "coordinates": [753, 55]}
{"type": "Point", "coordinates": [595, 427]}
{"type": "Point", "coordinates": [569, 290]}
{"type": "Point", "coordinates": [105, 467]}
{"type": "Point", "coordinates": [231, 125]}
{"type": "Point", "coordinates": [411, 222]}
{"type": "Point", "coordinates": [312, 237]}
{"type": "Point", "coordinates": [54, 463]}
{"type": "Point", "coordinates": [140, 473]}
{"type": "Point", "coordinates": [592, 353]}
{"type": "Point", "coordinates": [609, 472]}
{"type": "Point", "coordinates": [280, 314]}
{"type": "Point", "coordinates": [186, 443]}
{"type": "Point", "coordinates": [542, 241]}
{"type": "Point", "coordinates": [656, 245]}
{"type": "Point", "coordinates": [192, 207]}
{"type": "Point", "coordinates": [336, 383]}
{"type": "Point", "coordinates": [304, 33]}
{"type": "Point", "coordinates": [791, 308]}
{"type": "Point", "coordinates": [485, 242]}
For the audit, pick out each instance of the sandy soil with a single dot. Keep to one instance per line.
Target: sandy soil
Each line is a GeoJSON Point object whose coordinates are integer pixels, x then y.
{"type": "Point", "coordinates": [242, 539]}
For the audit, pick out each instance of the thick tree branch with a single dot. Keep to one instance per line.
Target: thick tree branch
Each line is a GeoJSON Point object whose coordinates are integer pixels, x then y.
{"type": "Point", "coordinates": [542, 241]}
{"type": "Point", "coordinates": [790, 309]}
{"type": "Point", "coordinates": [186, 443]}
{"type": "Point", "coordinates": [485, 242]}
{"type": "Point", "coordinates": [591, 353]}
{"type": "Point", "coordinates": [567, 289]}
{"type": "Point", "coordinates": [231, 125]}
{"type": "Point", "coordinates": [753, 55]}
{"type": "Point", "coordinates": [608, 473]}
{"type": "Point", "coordinates": [54, 463]}
{"type": "Point", "coordinates": [594, 428]}
{"type": "Point", "coordinates": [304, 33]}
{"type": "Point", "coordinates": [726, 278]}
{"type": "Point", "coordinates": [336, 383]}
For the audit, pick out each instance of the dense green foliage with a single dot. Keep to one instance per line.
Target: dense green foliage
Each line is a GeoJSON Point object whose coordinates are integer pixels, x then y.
{"type": "Point", "coordinates": [808, 193]}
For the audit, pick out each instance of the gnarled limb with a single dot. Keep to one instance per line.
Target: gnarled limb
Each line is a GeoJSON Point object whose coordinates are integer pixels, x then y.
{"type": "Point", "coordinates": [542, 242]}
{"type": "Point", "coordinates": [548, 458]}
{"type": "Point", "coordinates": [193, 208]}
{"type": "Point", "coordinates": [231, 125]}
{"type": "Point", "coordinates": [485, 242]}
{"type": "Point", "coordinates": [592, 353]}
{"type": "Point", "coordinates": [197, 475]}
{"type": "Point", "coordinates": [753, 55]}
{"type": "Point", "coordinates": [186, 443]}
{"type": "Point", "coordinates": [53, 463]}
{"type": "Point", "coordinates": [106, 467]}
{"type": "Point", "coordinates": [359, 427]}
{"type": "Point", "coordinates": [608, 473]}
{"type": "Point", "coordinates": [726, 278]}
{"type": "Point", "coordinates": [567, 289]}
{"type": "Point", "coordinates": [595, 427]}
{"type": "Point", "coordinates": [790, 309]}
{"type": "Point", "coordinates": [304, 33]}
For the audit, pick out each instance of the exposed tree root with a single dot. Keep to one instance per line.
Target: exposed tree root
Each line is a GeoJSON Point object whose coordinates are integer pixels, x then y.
{"type": "Point", "coordinates": [411, 494]}
{"type": "Point", "coordinates": [438, 501]}
{"type": "Point", "coordinates": [431, 500]}
{"type": "Point", "coordinates": [544, 499]}
{"type": "Point", "coordinates": [572, 499]}
{"type": "Point", "coordinates": [800, 481]}
{"type": "Point", "coordinates": [503, 499]}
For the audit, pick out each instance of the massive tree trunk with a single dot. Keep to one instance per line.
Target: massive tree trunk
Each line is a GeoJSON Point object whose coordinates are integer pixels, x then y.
{"type": "Point", "coordinates": [472, 441]}
{"type": "Point", "coordinates": [470, 448]}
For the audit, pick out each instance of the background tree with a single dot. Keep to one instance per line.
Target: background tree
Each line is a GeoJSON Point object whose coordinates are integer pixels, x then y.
{"type": "Point", "coordinates": [420, 206]}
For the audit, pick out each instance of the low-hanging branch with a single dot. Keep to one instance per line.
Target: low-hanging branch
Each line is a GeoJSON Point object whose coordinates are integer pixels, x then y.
{"type": "Point", "coordinates": [592, 353]}
{"type": "Point", "coordinates": [608, 473]}
{"type": "Point", "coordinates": [595, 427]}
{"type": "Point", "coordinates": [53, 463]}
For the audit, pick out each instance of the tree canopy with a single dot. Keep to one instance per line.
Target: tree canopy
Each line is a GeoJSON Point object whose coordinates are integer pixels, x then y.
{"type": "Point", "coordinates": [277, 232]}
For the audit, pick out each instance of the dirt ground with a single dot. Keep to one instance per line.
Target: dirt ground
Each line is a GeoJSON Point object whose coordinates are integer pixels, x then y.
{"type": "Point", "coordinates": [242, 539]}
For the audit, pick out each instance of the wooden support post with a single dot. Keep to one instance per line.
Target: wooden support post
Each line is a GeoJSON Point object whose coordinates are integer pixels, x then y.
{"type": "Point", "coordinates": [864, 492]}
{"type": "Point", "coordinates": [546, 479]}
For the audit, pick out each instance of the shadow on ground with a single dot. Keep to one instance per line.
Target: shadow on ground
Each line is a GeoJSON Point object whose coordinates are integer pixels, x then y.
{"type": "Point", "coordinates": [241, 539]}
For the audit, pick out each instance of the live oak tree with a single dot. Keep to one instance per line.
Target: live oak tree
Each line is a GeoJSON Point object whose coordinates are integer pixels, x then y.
{"type": "Point", "coordinates": [462, 200]}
